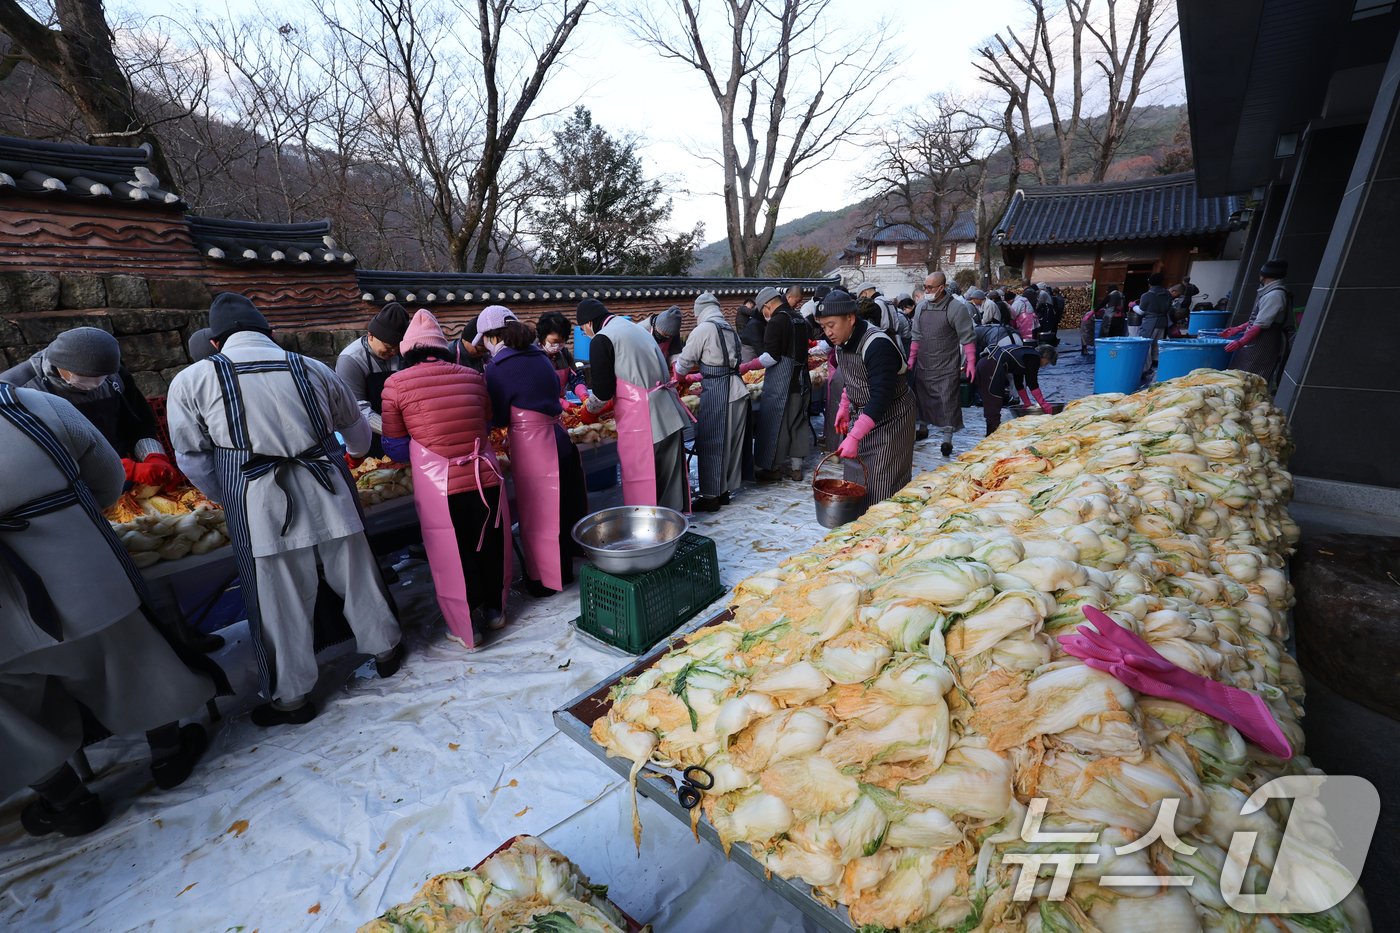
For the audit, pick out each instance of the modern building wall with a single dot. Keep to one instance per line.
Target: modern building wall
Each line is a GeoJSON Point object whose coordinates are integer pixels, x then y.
{"type": "Point", "coordinates": [1310, 212]}
{"type": "Point", "coordinates": [1341, 389]}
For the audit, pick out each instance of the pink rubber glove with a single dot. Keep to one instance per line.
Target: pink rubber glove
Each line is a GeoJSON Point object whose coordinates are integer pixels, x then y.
{"type": "Point", "coordinates": [1025, 398]}
{"type": "Point", "coordinates": [913, 354]}
{"type": "Point", "coordinates": [1040, 400]}
{"type": "Point", "coordinates": [1244, 339]}
{"type": "Point", "coordinates": [693, 378]}
{"type": "Point", "coordinates": [842, 424]}
{"type": "Point", "coordinates": [750, 366]}
{"type": "Point", "coordinates": [970, 356]}
{"type": "Point", "coordinates": [1232, 331]}
{"type": "Point", "coordinates": [851, 445]}
{"type": "Point", "coordinates": [581, 391]}
{"type": "Point", "coordinates": [1119, 652]}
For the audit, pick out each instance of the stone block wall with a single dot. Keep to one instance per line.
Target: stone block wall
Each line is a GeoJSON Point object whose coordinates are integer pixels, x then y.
{"type": "Point", "coordinates": [152, 320]}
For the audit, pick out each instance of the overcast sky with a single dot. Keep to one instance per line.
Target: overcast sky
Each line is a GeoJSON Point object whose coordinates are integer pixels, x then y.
{"type": "Point", "coordinates": [629, 88]}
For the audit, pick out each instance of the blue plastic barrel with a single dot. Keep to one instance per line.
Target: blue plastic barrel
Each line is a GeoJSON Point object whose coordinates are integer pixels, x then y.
{"type": "Point", "coordinates": [1199, 319]}
{"type": "Point", "coordinates": [1210, 332]}
{"type": "Point", "coordinates": [1179, 357]}
{"type": "Point", "coordinates": [1118, 363]}
{"type": "Point", "coordinates": [581, 342]}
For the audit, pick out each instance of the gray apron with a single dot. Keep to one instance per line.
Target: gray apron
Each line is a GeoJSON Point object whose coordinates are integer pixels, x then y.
{"type": "Point", "coordinates": [777, 438]}
{"type": "Point", "coordinates": [237, 465]}
{"type": "Point", "coordinates": [938, 369]}
{"type": "Point", "coordinates": [1261, 356]}
{"type": "Point", "coordinates": [77, 493]}
{"type": "Point", "coordinates": [888, 450]}
{"type": "Point", "coordinates": [713, 431]}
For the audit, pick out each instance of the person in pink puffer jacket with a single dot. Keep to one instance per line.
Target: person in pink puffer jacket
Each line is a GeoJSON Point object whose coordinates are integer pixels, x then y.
{"type": "Point", "coordinates": [437, 416]}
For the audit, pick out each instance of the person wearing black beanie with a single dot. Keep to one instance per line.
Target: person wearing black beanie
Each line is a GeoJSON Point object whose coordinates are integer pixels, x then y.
{"type": "Point", "coordinates": [629, 372]}
{"type": "Point", "coordinates": [265, 433]}
{"type": "Point", "coordinates": [368, 362]}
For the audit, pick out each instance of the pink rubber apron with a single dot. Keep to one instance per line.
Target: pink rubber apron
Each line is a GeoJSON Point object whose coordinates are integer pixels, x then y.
{"type": "Point", "coordinates": [636, 447]}
{"type": "Point", "coordinates": [430, 472]}
{"type": "Point", "coordinates": [534, 460]}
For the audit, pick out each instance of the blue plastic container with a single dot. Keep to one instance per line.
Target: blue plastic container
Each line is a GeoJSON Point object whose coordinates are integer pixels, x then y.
{"type": "Point", "coordinates": [1208, 319]}
{"type": "Point", "coordinates": [1179, 357]}
{"type": "Point", "coordinates": [1208, 333]}
{"type": "Point", "coordinates": [1118, 363]}
{"type": "Point", "coordinates": [581, 342]}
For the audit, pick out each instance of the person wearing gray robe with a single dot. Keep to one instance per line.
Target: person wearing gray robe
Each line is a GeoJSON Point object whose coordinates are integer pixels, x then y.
{"type": "Point", "coordinates": [1260, 344]}
{"type": "Point", "coordinates": [367, 363]}
{"type": "Point", "coordinates": [253, 428]}
{"type": "Point", "coordinates": [73, 627]}
{"type": "Point", "coordinates": [713, 350]}
{"type": "Point", "coordinates": [944, 348]}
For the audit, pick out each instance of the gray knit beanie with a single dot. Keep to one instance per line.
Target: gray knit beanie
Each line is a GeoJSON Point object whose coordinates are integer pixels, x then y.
{"type": "Point", "coordinates": [668, 322]}
{"type": "Point", "coordinates": [199, 346]}
{"type": "Point", "coordinates": [87, 351]}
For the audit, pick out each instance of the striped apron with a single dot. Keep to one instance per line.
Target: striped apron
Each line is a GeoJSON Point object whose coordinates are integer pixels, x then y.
{"type": "Point", "coordinates": [888, 450]}
{"type": "Point", "coordinates": [77, 493]}
{"type": "Point", "coordinates": [715, 432]}
{"type": "Point", "coordinates": [782, 432]}
{"type": "Point", "coordinates": [238, 465]}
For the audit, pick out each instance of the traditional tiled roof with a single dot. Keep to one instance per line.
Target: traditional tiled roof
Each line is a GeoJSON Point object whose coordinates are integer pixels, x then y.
{"type": "Point", "coordinates": [1154, 208]}
{"type": "Point", "coordinates": [964, 228]}
{"type": "Point", "coordinates": [486, 288]}
{"type": "Point", "coordinates": [243, 242]}
{"type": "Point", "coordinates": [68, 170]}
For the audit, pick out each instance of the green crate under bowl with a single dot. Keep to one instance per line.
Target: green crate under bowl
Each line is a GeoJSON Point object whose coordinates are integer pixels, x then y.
{"type": "Point", "coordinates": [635, 611]}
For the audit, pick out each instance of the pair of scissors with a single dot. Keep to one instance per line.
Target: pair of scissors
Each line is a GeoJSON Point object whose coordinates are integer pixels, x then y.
{"type": "Point", "coordinates": [694, 781]}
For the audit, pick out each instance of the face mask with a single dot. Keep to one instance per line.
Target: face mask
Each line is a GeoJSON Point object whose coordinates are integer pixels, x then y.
{"type": "Point", "coordinates": [83, 383]}
{"type": "Point", "coordinates": [553, 348]}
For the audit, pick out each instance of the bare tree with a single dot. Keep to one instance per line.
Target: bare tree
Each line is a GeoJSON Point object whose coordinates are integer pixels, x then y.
{"type": "Point", "coordinates": [445, 100]}
{"type": "Point", "coordinates": [929, 166]}
{"type": "Point", "coordinates": [1071, 58]}
{"type": "Point", "coordinates": [1125, 62]}
{"type": "Point", "coordinates": [788, 93]}
{"type": "Point", "coordinates": [80, 57]}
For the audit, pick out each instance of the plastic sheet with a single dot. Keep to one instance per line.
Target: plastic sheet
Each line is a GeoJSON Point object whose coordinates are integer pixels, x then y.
{"type": "Point", "coordinates": [323, 826]}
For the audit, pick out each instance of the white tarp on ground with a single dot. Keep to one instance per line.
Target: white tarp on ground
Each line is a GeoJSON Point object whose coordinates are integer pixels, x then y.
{"type": "Point", "coordinates": [323, 826]}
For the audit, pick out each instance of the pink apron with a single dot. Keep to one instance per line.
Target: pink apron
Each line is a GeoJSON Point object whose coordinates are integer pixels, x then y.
{"type": "Point", "coordinates": [439, 537]}
{"type": "Point", "coordinates": [636, 447]}
{"type": "Point", "coordinates": [534, 460]}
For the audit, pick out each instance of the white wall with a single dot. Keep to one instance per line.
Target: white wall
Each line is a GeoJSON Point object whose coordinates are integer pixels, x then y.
{"type": "Point", "coordinates": [1214, 277]}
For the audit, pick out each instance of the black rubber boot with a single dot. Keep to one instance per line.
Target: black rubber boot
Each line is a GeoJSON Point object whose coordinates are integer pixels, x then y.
{"type": "Point", "coordinates": [65, 806]}
{"type": "Point", "coordinates": [538, 590]}
{"type": "Point", "coordinates": [947, 448]}
{"type": "Point", "coordinates": [172, 770]}
{"type": "Point", "coordinates": [390, 665]}
{"type": "Point", "coordinates": [705, 504]}
{"type": "Point", "coordinates": [270, 714]}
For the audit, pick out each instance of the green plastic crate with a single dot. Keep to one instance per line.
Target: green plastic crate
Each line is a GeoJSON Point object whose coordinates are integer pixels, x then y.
{"type": "Point", "coordinates": [636, 611]}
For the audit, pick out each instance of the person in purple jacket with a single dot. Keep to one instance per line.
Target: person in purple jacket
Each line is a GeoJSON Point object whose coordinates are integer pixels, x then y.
{"type": "Point", "coordinates": [549, 491]}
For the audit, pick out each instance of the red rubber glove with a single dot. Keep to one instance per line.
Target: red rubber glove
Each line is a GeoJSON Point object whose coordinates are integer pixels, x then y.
{"type": "Point", "coordinates": [750, 366]}
{"type": "Point", "coordinates": [1040, 399]}
{"type": "Point", "coordinates": [842, 424]}
{"type": "Point", "coordinates": [1244, 339]}
{"type": "Point", "coordinates": [1025, 397]}
{"type": "Point", "coordinates": [913, 354]}
{"type": "Point", "coordinates": [129, 468]}
{"type": "Point", "coordinates": [353, 462]}
{"type": "Point", "coordinates": [851, 445]}
{"type": "Point", "coordinates": [587, 416]}
{"type": "Point", "coordinates": [970, 357]}
{"type": "Point", "coordinates": [694, 378]}
{"type": "Point", "coordinates": [155, 470]}
{"type": "Point", "coordinates": [1232, 331]}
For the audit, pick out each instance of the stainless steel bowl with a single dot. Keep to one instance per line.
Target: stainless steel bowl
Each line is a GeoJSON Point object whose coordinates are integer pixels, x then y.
{"type": "Point", "coordinates": [631, 538]}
